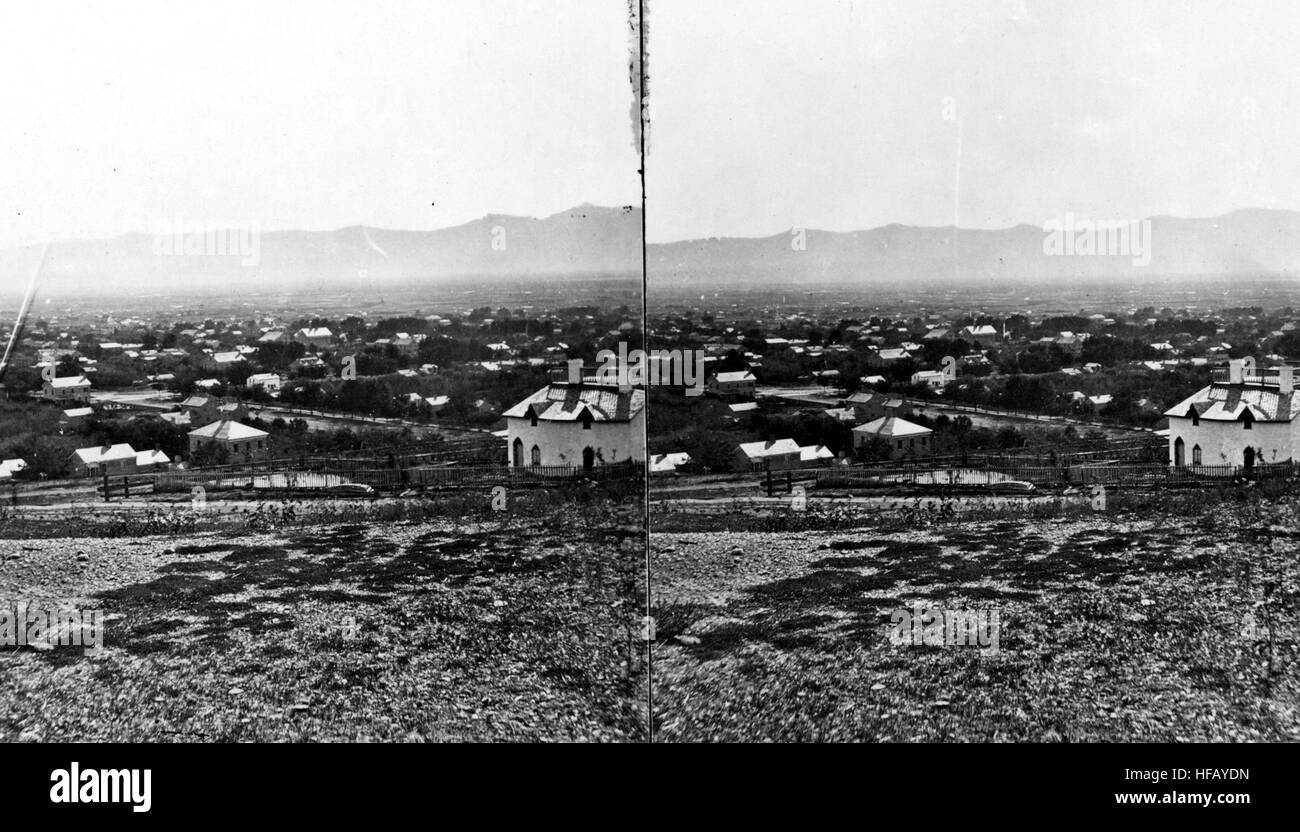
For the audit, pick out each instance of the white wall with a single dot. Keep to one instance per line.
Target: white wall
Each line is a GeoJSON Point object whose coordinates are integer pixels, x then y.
{"type": "Point", "coordinates": [1224, 443]}
{"type": "Point", "coordinates": [562, 443]}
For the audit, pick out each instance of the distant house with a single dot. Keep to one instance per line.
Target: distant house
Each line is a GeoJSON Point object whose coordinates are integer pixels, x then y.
{"type": "Point", "coordinates": [982, 334]}
{"type": "Point", "coordinates": [180, 419]}
{"type": "Point", "coordinates": [267, 382]}
{"type": "Point", "coordinates": [224, 359]}
{"type": "Point", "coordinates": [212, 409]}
{"type": "Point", "coordinates": [934, 379]}
{"type": "Point", "coordinates": [73, 415]}
{"type": "Point", "coordinates": [204, 406]}
{"type": "Point", "coordinates": [154, 460]}
{"type": "Point", "coordinates": [773, 454]}
{"type": "Point", "coordinates": [316, 336]}
{"type": "Point", "coordinates": [816, 455]}
{"type": "Point", "coordinates": [405, 344]}
{"type": "Point", "coordinates": [113, 460]}
{"type": "Point", "coordinates": [668, 463]}
{"type": "Point", "coordinates": [9, 467]}
{"type": "Point", "coordinates": [67, 389]}
{"type": "Point", "coordinates": [232, 410]}
{"type": "Point", "coordinates": [884, 357]}
{"type": "Point", "coordinates": [242, 442]}
{"type": "Point", "coordinates": [587, 424]}
{"type": "Point", "coordinates": [905, 439]}
{"type": "Point", "coordinates": [868, 406]}
{"type": "Point", "coordinates": [736, 383]}
{"type": "Point", "coordinates": [308, 365]}
{"type": "Point", "coordinates": [436, 404]}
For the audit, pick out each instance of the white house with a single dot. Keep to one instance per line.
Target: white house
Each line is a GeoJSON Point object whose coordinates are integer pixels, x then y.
{"type": "Point", "coordinates": [816, 455]}
{"type": "Point", "coordinates": [1243, 421]}
{"type": "Point", "coordinates": [318, 336]}
{"type": "Point", "coordinates": [241, 441]}
{"type": "Point", "coordinates": [934, 379]}
{"type": "Point", "coordinates": [567, 424]}
{"type": "Point", "coordinates": [905, 438]}
{"type": "Point", "coordinates": [114, 460]}
{"type": "Point", "coordinates": [778, 453]}
{"type": "Point", "coordinates": [268, 382]}
{"type": "Point", "coordinates": [9, 467]}
{"type": "Point", "coordinates": [668, 463]}
{"type": "Point", "coordinates": [738, 383]}
{"type": "Point", "coordinates": [154, 460]}
{"type": "Point", "coordinates": [67, 389]}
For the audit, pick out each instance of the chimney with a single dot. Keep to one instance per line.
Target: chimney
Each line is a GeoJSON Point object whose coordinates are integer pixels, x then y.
{"type": "Point", "coordinates": [1235, 371]}
{"type": "Point", "coordinates": [1285, 379]}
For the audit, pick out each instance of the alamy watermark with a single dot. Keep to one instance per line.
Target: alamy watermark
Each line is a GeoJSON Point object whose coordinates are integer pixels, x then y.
{"type": "Point", "coordinates": [43, 628]}
{"type": "Point", "coordinates": [639, 368]}
{"type": "Point", "coordinates": [1077, 237]}
{"type": "Point", "coordinates": [195, 238]}
{"type": "Point", "coordinates": [936, 627]}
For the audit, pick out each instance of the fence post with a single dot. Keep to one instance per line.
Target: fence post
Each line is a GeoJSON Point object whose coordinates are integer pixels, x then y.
{"type": "Point", "coordinates": [108, 495]}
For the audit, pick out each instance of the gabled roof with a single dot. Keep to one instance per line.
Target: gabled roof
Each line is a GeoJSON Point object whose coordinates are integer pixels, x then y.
{"type": "Point", "coordinates": [1227, 402]}
{"type": "Point", "coordinates": [779, 447]}
{"type": "Point", "coordinates": [98, 454]}
{"type": "Point", "coordinates": [563, 402]}
{"type": "Point", "coordinates": [812, 453]}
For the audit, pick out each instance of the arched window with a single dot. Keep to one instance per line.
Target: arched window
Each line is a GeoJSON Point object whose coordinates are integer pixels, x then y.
{"type": "Point", "coordinates": [517, 452]}
{"type": "Point", "coordinates": [586, 419]}
{"type": "Point", "coordinates": [1196, 417]}
{"type": "Point", "coordinates": [1196, 454]}
{"type": "Point", "coordinates": [1247, 419]}
{"type": "Point", "coordinates": [532, 417]}
{"type": "Point", "coordinates": [537, 455]}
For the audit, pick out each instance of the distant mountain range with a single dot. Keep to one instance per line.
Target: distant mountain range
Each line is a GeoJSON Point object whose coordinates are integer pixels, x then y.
{"type": "Point", "coordinates": [1247, 242]}
{"type": "Point", "coordinates": [583, 241]}
{"type": "Point", "coordinates": [591, 241]}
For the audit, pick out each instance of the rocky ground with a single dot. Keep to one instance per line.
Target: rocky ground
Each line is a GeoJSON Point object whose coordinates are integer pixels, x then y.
{"type": "Point", "coordinates": [1110, 629]}
{"type": "Point", "coordinates": [511, 630]}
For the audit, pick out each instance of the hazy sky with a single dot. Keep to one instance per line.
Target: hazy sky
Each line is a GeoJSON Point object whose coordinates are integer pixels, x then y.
{"type": "Point", "coordinates": [317, 115]}
{"type": "Point", "coordinates": [846, 115]}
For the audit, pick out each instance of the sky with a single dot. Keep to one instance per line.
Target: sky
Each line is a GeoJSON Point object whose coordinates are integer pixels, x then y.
{"type": "Point", "coordinates": [850, 115]}
{"type": "Point", "coordinates": [122, 117]}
